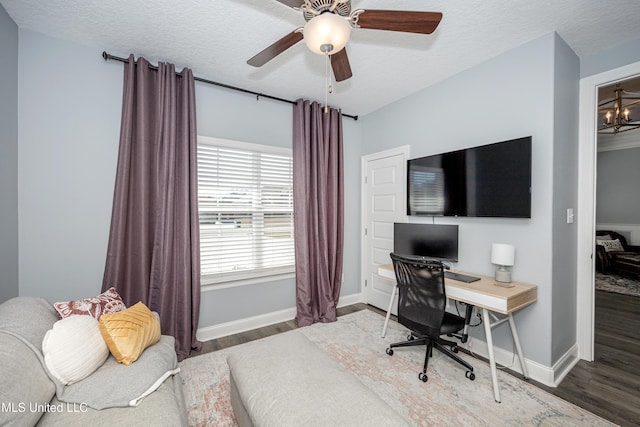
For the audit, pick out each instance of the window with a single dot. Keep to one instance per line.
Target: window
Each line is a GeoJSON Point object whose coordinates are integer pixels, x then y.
{"type": "Point", "coordinates": [426, 190]}
{"type": "Point", "coordinates": [245, 203]}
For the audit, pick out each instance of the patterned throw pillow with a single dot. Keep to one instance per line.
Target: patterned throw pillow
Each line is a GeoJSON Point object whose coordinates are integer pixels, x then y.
{"type": "Point", "coordinates": [612, 245]}
{"type": "Point", "coordinates": [599, 239]}
{"type": "Point", "coordinates": [107, 302]}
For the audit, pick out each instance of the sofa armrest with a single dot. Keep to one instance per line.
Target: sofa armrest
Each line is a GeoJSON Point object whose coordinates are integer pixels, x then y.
{"type": "Point", "coordinates": [603, 262]}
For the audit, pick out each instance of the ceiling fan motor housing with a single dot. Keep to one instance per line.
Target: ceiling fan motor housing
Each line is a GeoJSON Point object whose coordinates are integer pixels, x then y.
{"type": "Point", "coordinates": [320, 6]}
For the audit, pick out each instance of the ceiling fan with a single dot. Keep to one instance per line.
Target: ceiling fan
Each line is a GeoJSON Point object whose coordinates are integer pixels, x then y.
{"type": "Point", "coordinates": [329, 24]}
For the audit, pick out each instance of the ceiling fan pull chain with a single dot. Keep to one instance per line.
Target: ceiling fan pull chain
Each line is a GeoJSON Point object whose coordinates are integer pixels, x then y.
{"type": "Point", "coordinates": [327, 82]}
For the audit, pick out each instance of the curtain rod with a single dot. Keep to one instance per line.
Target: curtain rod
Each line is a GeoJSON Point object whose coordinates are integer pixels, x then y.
{"type": "Point", "coordinates": [108, 56]}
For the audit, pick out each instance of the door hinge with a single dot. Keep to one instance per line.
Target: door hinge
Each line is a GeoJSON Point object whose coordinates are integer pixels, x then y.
{"type": "Point", "coordinates": [365, 231]}
{"type": "Point", "coordinates": [366, 181]}
{"type": "Point", "coordinates": [365, 283]}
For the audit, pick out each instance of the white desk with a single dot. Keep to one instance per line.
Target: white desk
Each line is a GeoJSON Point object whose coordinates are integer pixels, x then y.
{"type": "Point", "coordinates": [488, 296]}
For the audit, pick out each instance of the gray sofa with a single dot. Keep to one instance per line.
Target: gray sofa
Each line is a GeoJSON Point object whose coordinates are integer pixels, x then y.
{"type": "Point", "coordinates": [28, 396]}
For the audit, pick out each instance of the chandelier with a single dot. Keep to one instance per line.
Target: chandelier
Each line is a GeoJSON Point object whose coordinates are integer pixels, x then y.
{"type": "Point", "coordinates": [618, 113]}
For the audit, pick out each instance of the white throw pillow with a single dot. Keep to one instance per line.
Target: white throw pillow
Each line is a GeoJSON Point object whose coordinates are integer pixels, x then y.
{"type": "Point", "coordinates": [74, 348]}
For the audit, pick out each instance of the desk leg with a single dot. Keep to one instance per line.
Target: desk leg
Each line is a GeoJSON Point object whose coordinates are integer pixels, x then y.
{"type": "Point", "coordinates": [492, 361]}
{"type": "Point", "coordinates": [516, 340]}
{"type": "Point", "coordinates": [386, 319]}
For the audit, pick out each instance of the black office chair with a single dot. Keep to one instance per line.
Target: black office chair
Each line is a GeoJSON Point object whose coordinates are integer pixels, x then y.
{"type": "Point", "coordinates": [421, 308]}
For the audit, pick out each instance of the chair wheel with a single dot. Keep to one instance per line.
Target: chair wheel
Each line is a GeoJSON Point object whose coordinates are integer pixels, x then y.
{"type": "Point", "coordinates": [454, 348]}
{"type": "Point", "coordinates": [390, 351]}
{"type": "Point", "coordinates": [423, 377]}
{"type": "Point", "coordinates": [470, 375]}
{"type": "Point", "coordinates": [410, 337]}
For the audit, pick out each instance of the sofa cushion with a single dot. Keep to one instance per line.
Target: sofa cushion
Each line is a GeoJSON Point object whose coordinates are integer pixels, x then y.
{"type": "Point", "coordinates": [29, 318]}
{"type": "Point", "coordinates": [107, 302]}
{"type": "Point", "coordinates": [25, 388]}
{"type": "Point", "coordinates": [289, 381]}
{"type": "Point", "coordinates": [74, 348]}
{"type": "Point", "coordinates": [104, 388]}
{"type": "Point", "coordinates": [24, 321]}
{"type": "Point", "coordinates": [163, 408]}
{"type": "Point", "coordinates": [129, 332]}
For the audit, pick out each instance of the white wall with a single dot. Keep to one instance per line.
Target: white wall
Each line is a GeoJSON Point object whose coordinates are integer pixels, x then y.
{"type": "Point", "coordinates": [565, 188]}
{"type": "Point", "coordinates": [623, 54]}
{"type": "Point", "coordinates": [69, 122]}
{"type": "Point", "coordinates": [617, 192]}
{"type": "Point", "coordinates": [69, 125]}
{"type": "Point", "coordinates": [507, 97]}
{"type": "Point", "coordinates": [8, 157]}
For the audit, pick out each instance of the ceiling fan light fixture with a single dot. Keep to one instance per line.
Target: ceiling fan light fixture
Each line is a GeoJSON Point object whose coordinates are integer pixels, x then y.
{"type": "Point", "coordinates": [327, 29]}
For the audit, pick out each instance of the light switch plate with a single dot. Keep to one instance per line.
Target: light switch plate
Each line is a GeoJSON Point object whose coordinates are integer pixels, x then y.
{"type": "Point", "coordinates": [570, 216]}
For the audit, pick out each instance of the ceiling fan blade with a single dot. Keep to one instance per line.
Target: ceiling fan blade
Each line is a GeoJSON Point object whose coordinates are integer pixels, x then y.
{"type": "Point", "coordinates": [399, 20]}
{"type": "Point", "coordinates": [292, 3]}
{"type": "Point", "coordinates": [340, 65]}
{"type": "Point", "coordinates": [276, 48]}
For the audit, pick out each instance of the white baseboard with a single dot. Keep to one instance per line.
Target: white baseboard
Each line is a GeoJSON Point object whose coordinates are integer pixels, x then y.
{"type": "Point", "coordinates": [242, 325]}
{"type": "Point", "coordinates": [351, 299]}
{"type": "Point", "coordinates": [563, 366]}
{"type": "Point", "coordinates": [548, 375]}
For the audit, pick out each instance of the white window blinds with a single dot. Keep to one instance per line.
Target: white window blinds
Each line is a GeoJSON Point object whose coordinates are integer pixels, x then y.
{"type": "Point", "coordinates": [426, 190]}
{"type": "Point", "coordinates": [245, 202]}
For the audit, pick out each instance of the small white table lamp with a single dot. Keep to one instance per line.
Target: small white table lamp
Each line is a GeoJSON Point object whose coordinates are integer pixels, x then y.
{"type": "Point", "coordinates": [502, 254]}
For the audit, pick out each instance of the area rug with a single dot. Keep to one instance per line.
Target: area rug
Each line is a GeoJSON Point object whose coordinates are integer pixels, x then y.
{"type": "Point", "coordinates": [448, 398]}
{"type": "Point", "coordinates": [618, 284]}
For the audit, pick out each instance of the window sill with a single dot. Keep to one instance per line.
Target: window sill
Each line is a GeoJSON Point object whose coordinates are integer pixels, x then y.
{"type": "Point", "coordinates": [234, 283]}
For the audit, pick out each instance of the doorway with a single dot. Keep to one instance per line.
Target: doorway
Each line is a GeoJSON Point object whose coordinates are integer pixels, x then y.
{"type": "Point", "coordinates": [587, 198]}
{"type": "Point", "coordinates": [617, 254]}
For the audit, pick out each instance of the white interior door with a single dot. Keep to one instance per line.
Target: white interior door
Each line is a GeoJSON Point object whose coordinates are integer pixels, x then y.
{"type": "Point", "coordinates": [383, 203]}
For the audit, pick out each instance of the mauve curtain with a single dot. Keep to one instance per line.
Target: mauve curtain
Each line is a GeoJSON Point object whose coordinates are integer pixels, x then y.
{"type": "Point", "coordinates": [154, 244]}
{"type": "Point", "coordinates": [318, 210]}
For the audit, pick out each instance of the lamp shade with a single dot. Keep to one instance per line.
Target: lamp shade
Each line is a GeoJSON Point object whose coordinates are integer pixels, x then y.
{"type": "Point", "coordinates": [502, 254]}
{"type": "Point", "coordinates": [326, 29]}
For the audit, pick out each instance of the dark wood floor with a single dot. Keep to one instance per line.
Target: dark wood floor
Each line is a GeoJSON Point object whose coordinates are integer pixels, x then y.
{"type": "Point", "coordinates": [609, 386]}
{"type": "Point", "coordinates": [267, 331]}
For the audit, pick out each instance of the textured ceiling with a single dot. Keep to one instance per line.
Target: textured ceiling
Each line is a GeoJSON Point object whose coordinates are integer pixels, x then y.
{"type": "Point", "coordinates": [216, 37]}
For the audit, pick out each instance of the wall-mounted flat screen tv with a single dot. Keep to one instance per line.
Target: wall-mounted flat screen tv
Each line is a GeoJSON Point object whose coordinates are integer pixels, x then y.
{"type": "Point", "coordinates": [428, 240]}
{"type": "Point", "coordinates": [491, 180]}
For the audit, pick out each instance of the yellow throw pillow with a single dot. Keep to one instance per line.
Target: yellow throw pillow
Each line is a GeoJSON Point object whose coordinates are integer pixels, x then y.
{"type": "Point", "coordinates": [128, 332]}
